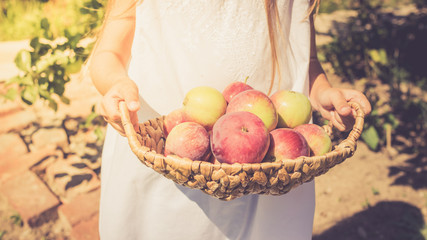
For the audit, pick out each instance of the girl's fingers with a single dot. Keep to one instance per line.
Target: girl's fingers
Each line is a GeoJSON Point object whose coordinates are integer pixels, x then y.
{"type": "Point", "coordinates": [344, 123]}
{"type": "Point", "coordinates": [359, 97]}
{"type": "Point", "coordinates": [118, 127]}
{"type": "Point", "coordinates": [340, 103]}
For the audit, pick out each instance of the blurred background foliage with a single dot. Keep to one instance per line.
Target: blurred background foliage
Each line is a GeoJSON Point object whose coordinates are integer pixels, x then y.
{"type": "Point", "coordinates": [61, 35]}
{"type": "Point", "coordinates": [382, 50]}
{"type": "Point", "coordinates": [385, 51]}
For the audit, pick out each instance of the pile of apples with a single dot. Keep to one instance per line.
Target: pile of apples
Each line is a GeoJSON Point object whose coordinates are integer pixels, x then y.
{"type": "Point", "coordinates": [243, 125]}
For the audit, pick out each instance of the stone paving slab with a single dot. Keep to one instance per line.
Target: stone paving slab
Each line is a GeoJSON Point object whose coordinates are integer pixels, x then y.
{"type": "Point", "coordinates": [82, 208]}
{"type": "Point", "coordinates": [11, 144]}
{"type": "Point", "coordinates": [17, 120]}
{"type": "Point", "coordinates": [87, 230]}
{"type": "Point", "coordinates": [12, 165]}
{"type": "Point", "coordinates": [30, 197]}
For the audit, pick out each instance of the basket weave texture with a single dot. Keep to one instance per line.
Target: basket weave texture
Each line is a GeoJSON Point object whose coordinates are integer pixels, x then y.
{"type": "Point", "coordinates": [230, 181]}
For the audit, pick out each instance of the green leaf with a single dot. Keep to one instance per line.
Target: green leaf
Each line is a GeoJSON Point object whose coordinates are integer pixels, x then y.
{"type": "Point", "coordinates": [44, 94]}
{"type": "Point", "coordinates": [27, 80]}
{"type": "Point", "coordinates": [53, 104]}
{"type": "Point", "coordinates": [11, 94]}
{"type": "Point", "coordinates": [43, 64]}
{"type": "Point", "coordinates": [29, 95]}
{"type": "Point", "coordinates": [74, 67]}
{"type": "Point", "coordinates": [392, 120]}
{"type": "Point", "coordinates": [378, 56]}
{"type": "Point", "coordinates": [99, 133]}
{"type": "Point", "coordinates": [370, 137]}
{"type": "Point", "coordinates": [44, 24]}
{"type": "Point", "coordinates": [23, 60]}
{"type": "Point", "coordinates": [65, 100]}
{"type": "Point", "coordinates": [84, 11]}
{"type": "Point", "coordinates": [35, 43]}
{"type": "Point", "coordinates": [96, 4]}
{"type": "Point", "coordinates": [16, 219]}
{"type": "Point", "coordinates": [58, 88]}
{"type": "Point", "coordinates": [89, 119]}
{"type": "Point", "coordinates": [44, 48]}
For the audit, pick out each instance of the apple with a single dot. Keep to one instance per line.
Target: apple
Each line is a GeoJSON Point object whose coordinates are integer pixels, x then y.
{"type": "Point", "coordinates": [286, 143]}
{"type": "Point", "coordinates": [317, 138]}
{"type": "Point", "coordinates": [292, 107]}
{"type": "Point", "coordinates": [188, 139]}
{"type": "Point", "coordinates": [235, 88]}
{"type": "Point", "coordinates": [239, 137]}
{"type": "Point", "coordinates": [172, 119]}
{"type": "Point", "coordinates": [204, 105]}
{"type": "Point", "coordinates": [258, 103]}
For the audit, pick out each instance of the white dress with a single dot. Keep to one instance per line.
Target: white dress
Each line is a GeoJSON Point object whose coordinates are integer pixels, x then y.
{"type": "Point", "coordinates": [178, 45]}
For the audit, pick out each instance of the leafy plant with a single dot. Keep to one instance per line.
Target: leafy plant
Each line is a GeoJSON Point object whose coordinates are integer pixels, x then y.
{"type": "Point", "coordinates": [20, 19]}
{"type": "Point", "coordinates": [46, 68]}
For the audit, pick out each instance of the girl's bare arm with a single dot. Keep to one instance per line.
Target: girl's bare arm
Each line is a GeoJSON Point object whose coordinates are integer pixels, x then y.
{"type": "Point", "coordinates": [108, 63]}
{"type": "Point", "coordinates": [329, 101]}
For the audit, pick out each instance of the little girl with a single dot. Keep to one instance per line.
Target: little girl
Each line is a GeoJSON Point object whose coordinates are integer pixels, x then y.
{"type": "Point", "coordinates": [150, 54]}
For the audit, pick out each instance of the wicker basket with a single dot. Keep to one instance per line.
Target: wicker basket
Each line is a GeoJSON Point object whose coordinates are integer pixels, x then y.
{"type": "Point", "coordinates": [226, 181]}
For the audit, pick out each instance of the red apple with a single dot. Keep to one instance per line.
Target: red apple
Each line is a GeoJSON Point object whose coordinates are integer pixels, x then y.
{"type": "Point", "coordinates": [258, 103]}
{"type": "Point", "coordinates": [172, 119]}
{"type": "Point", "coordinates": [188, 139]}
{"type": "Point", "coordinates": [292, 107]}
{"type": "Point", "coordinates": [204, 105]}
{"type": "Point", "coordinates": [233, 89]}
{"type": "Point", "coordinates": [317, 138]}
{"type": "Point", "coordinates": [239, 137]}
{"type": "Point", "coordinates": [286, 143]}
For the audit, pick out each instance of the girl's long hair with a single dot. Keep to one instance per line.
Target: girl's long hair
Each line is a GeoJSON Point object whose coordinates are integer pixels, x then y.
{"type": "Point", "coordinates": [273, 23]}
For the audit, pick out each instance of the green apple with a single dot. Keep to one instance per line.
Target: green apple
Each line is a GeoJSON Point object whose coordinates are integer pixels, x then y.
{"type": "Point", "coordinates": [204, 105]}
{"type": "Point", "coordinates": [293, 108]}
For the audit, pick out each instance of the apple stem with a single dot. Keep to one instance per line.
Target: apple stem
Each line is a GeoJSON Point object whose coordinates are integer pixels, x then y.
{"type": "Point", "coordinates": [244, 129]}
{"type": "Point", "coordinates": [246, 79]}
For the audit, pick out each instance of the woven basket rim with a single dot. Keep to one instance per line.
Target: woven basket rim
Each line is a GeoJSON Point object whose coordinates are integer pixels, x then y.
{"type": "Point", "coordinates": [185, 167]}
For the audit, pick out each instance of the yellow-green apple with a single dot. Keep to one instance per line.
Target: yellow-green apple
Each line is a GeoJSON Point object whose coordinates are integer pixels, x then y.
{"type": "Point", "coordinates": [258, 103]}
{"type": "Point", "coordinates": [172, 119]}
{"type": "Point", "coordinates": [204, 105]}
{"type": "Point", "coordinates": [317, 138]}
{"type": "Point", "coordinates": [239, 137]}
{"type": "Point", "coordinates": [188, 139]}
{"type": "Point", "coordinates": [233, 89]}
{"type": "Point", "coordinates": [286, 143]}
{"type": "Point", "coordinates": [293, 108]}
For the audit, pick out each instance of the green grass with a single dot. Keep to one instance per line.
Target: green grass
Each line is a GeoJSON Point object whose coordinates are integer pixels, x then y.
{"type": "Point", "coordinates": [20, 19]}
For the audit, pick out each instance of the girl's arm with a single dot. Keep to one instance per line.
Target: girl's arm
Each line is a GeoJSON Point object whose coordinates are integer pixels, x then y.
{"type": "Point", "coordinates": [108, 63]}
{"type": "Point", "coordinates": [331, 102]}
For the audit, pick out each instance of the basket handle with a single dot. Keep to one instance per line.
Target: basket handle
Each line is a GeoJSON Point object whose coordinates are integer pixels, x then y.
{"type": "Point", "coordinates": [353, 136]}
{"type": "Point", "coordinates": [130, 132]}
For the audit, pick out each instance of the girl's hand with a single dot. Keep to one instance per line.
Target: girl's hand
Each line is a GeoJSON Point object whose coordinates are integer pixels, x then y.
{"type": "Point", "coordinates": [332, 103]}
{"type": "Point", "coordinates": [123, 90]}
